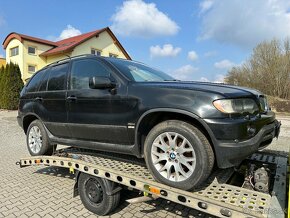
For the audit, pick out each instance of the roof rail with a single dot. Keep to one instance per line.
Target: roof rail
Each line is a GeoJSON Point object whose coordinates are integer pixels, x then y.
{"type": "Point", "coordinates": [70, 58]}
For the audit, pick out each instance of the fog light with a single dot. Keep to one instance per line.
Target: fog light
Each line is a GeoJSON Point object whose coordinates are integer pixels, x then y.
{"type": "Point", "coordinates": [251, 130]}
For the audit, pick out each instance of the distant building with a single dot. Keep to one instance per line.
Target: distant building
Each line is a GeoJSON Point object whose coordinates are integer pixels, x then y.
{"type": "Point", "coordinates": [32, 54]}
{"type": "Point", "coordinates": [2, 62]}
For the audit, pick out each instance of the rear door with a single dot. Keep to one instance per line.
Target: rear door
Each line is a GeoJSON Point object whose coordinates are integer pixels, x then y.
{"type": "Point", "coordinates": [52, 97]}
{"type": "Point", "coordinates": [29, 102]}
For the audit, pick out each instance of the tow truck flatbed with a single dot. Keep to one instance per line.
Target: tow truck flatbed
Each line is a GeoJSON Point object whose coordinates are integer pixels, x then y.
{"type": "Point", "coordinates": [216, 197]}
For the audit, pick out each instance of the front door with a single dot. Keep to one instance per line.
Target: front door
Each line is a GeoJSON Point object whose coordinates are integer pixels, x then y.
{"type": "Point", "coordinates": [95, 114]}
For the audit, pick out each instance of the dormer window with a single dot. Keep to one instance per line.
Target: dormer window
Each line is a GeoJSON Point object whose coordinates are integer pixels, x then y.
{"type": "Point", "coordinates": [31, 50]}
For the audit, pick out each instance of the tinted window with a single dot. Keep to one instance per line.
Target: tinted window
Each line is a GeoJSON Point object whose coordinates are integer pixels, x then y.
{"type": "Point", "coordinates": [44, 80]}
{"type": "Point", "coordinates": [139, 72]}
{"type": "Point", "coordinates": [82, 70]}
{"type": "Point", "coordinates": [35, 81]}
{"type": "Point", "coordinates": [57, 77]}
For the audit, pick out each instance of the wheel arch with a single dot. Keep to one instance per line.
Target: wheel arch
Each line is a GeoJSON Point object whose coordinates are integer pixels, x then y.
{"type": "Point", "coordinates": [152, 117]}
{"type": "Point", "coordinates": [27, 119]}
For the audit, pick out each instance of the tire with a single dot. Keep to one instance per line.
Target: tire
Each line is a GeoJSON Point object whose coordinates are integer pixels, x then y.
{"type": "Point", "coordinates": [98, 202]}
{"type": "Point", "coordinates": [183, 162]}
{"type": "Point", "coordinates": [38, 144]}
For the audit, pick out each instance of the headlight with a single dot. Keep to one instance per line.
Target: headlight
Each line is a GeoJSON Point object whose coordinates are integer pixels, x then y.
{"type": "Point", "coordinates": [231, 106]}
{"type": "Point", "coordinates": [263, 103]}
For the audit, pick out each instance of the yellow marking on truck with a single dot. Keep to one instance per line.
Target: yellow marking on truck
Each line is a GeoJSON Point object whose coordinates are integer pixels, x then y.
{"type": "Point", "coordinates": [71, 170]}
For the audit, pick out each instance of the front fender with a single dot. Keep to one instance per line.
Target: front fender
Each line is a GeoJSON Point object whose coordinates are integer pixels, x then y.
{"type": "Point", "coordinates": [190, 115]}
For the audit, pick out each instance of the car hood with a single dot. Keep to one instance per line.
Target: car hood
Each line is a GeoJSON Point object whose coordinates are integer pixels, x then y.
{"type": "Point", "coordinates": [218, 88]}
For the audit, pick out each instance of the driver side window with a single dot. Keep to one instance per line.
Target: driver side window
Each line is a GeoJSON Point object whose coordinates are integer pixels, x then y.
{"type": "Point", "coordinates": [82, 70]}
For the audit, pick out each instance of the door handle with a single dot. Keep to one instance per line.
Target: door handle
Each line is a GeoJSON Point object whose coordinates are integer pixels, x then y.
{"type": "Point", "coordinates": [71, 98]}
{"type": "Point", "coordinates": [38, 99]}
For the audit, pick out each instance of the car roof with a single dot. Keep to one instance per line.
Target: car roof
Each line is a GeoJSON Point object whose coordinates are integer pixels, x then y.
{"type": "Point", "coordinates": [84, 56]}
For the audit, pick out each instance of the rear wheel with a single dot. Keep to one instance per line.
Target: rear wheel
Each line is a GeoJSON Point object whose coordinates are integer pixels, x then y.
{"type": "Point", "coordinates": [37, 140]}
{"type": "Point", "coordinates": [96, 194]}
{"type": "Point", "coordinates": [178, 154]}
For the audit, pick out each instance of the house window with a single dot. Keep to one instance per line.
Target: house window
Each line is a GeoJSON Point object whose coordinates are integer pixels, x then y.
{"type": "Point", "coordinates": [31, 50]}
{"type": "Point", "coordinates": [96, 52]}
{"type": "Point", "coordinates": [31, 68]}
{"type": "Point", "coordinates": [113, 55]}
{"type": "Point", "coordinates": [14, 51]}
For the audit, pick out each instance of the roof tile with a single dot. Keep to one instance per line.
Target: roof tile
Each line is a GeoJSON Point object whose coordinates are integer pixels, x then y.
{"type": "Point", "coordinates": [68, 44]}
{"type": "Point", "coordinates": [64, 45]}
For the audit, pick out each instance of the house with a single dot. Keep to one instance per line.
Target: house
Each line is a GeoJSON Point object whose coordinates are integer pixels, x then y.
{"type": "Point", "coordinates": [32, 54]}
{"type": "Point", "coordinates": [2, 62]}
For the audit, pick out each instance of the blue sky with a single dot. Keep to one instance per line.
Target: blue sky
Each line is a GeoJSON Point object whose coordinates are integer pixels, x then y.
{"type": "Point", "coordinates": [189, 39]}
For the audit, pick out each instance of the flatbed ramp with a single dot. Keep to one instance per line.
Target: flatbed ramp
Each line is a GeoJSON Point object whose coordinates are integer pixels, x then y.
{"type": "Point", "coordinates": [215, 197]}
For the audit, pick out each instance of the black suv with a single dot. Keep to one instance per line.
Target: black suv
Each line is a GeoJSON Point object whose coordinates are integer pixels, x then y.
{"type": "Point", "coordinates": [110, 104]}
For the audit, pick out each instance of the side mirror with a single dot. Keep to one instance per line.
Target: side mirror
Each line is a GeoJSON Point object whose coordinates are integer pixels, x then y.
{"type": "Point", "coordinates": [101, 82]}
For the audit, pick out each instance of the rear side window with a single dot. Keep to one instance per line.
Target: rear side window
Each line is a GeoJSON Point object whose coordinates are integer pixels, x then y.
{"type": "Point", "coordinates": [44, 80]}
{"type": "Point", "coordinates": [57, 77]}
{"type": "Point", "coordinates": [35, 81]}
{"type": "Point", "coordinates": [82, 70]}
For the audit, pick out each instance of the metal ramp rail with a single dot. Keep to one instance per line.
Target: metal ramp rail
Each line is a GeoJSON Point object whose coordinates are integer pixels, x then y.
{"type": "Point", "coordinates": [216, 197]}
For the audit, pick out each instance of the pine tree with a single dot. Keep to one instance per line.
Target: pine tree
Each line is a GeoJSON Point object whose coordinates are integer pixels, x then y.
{"type": "Point", "coordinates": [15, 86]}
{"type": "Point", "coordinates": [2, 69]}
{"type": "Point", "coordinates": [10, 87]}
{"type": "Point", "coordinates": [4, 84]}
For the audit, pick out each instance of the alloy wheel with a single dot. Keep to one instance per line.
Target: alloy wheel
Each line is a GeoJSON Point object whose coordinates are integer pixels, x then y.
{"type": "Point", "coordinates": [173, 156]}
{"type": "Point", "coordinates": [35, 139]}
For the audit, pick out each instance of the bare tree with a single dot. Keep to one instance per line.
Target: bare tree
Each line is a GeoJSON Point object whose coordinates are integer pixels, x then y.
{"type": "Point", "coordinates": [268, 69]}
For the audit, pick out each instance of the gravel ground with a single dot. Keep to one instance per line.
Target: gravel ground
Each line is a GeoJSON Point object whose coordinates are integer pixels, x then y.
{"type": "Point", "coordinates": [283, 142]}
{"type": "Point", "coordinates": [47, 191]}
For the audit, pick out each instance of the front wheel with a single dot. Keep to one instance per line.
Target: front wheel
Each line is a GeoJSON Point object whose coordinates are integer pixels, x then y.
{"type": "Point", "coordinates": [178, 154]}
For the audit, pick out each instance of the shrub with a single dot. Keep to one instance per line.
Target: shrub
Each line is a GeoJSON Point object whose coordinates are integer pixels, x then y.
{"type": "Point", "coordinates": [11, 85]}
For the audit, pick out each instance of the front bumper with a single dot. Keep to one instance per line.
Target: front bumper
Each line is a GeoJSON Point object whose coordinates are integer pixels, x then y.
{"type": "Point", "coordinates": [231, 152]}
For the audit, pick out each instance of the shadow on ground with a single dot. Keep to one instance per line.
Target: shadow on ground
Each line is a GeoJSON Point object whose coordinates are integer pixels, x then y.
{"type": "Point", "coordinates": [153, 206]}
{"type": "Point", "coordinates": [56, 171]}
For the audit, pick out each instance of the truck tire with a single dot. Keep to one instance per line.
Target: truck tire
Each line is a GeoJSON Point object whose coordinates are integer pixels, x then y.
{"type": "Point", "coordinates": [95, 194]}
{"type": "Point", "coordinates": [178, 154]}
{"type": "Point", "coordinates": [37, 140]}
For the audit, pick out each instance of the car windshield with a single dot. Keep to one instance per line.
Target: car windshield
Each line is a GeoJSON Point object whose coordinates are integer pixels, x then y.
{"type": "Point", "coordinates": [139, 72]}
